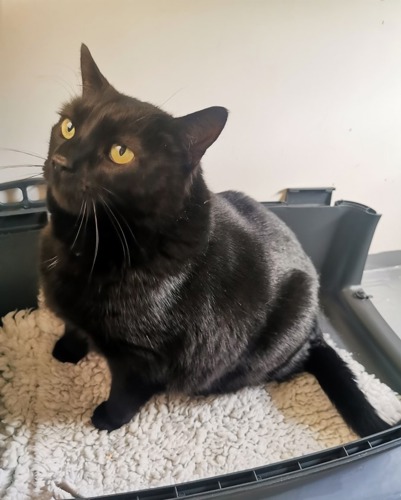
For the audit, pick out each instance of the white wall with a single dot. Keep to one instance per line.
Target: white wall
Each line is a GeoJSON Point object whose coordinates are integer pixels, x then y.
{"type": "Point", "coordinates": [313, 86]}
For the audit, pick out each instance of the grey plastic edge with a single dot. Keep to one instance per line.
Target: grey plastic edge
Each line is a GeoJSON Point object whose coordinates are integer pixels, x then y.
{"type": "Point", "coordinates": [337, 239]}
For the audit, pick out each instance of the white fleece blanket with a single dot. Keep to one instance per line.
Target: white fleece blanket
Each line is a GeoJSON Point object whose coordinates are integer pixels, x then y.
{"type": "Point", "coordinates": [49, 449]}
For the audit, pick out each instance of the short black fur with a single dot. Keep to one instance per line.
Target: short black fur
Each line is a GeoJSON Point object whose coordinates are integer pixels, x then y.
{"type": "Point", "coordinates": [179, 288]}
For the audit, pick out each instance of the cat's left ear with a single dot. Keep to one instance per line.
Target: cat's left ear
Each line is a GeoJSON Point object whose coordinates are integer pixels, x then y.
{"type": "Point", "coordinates": [201, 129]}
{"type": "Point", "coordinates": [92, 78]}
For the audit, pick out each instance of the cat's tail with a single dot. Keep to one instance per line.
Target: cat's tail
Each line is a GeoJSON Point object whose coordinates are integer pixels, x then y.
{"type": "Point", "coordinates": [338, 382]}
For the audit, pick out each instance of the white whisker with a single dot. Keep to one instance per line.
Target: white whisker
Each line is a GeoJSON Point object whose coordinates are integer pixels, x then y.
{"type": "Point", "coordinates": [80, 212]}
{"type": "Point", "coordinates": [150, 342]}
{"type": "Point", "coordinates": [53, 264]}
{"type": "Point", "coordinates": [108, 191]}
{"type": "Point", "coordinates": [169, 98]}
{"type": "Point", "coordinates": [39, 174]}
{"type": "Point", "coordinates": [122, 218]}
{"type": "Point", "coordinates": [35, 155]}
{"type": "Point", "coordinates": [97, 240]}
{"type": "Point", "coordinates": [51, 259]}
{"type": "Point", "coordinates": [126, 223]}
{"type": "Point", "coordinates": [124, 243]}
{"type": "Point", "coordinates": [81, 216]}
{"type": "Point", "coordinates": [26, 165]}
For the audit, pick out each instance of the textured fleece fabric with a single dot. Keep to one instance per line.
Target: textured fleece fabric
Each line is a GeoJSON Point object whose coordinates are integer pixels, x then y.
{"type": "Point", "coordinates": [49, 449]}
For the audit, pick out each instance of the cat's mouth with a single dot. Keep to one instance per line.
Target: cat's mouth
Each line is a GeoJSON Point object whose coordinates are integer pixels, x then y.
{"type": "Point", "coordinates": [71, 201]}
{"type": "Point", "coordinates": [69, 190]}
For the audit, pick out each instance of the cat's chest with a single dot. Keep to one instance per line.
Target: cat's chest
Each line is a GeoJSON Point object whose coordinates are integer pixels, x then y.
{"type": "Point", "coordinates": [123, 306]}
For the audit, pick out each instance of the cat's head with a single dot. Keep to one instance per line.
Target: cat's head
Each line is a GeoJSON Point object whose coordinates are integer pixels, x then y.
{"type": "Point", "coordinates": [107, 145]}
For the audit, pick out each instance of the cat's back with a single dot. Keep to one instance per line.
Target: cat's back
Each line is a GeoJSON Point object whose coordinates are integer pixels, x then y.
{"type": "Point", "coordinates": [280, 243]}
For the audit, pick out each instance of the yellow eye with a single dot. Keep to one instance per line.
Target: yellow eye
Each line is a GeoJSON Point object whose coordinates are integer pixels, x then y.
{"type": "Point", "coordinates": [67, 129]}
{"type": "Point", "coordinates": [121, 154]}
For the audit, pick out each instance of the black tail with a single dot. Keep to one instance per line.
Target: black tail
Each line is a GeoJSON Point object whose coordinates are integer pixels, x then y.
{"type": "Point", "coordinates": [338, 382]}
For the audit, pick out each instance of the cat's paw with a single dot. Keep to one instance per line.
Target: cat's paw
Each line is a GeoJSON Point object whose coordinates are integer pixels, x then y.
{"type": "Point", "coordinates": [67, 351]}
{"type": "Point", "coordinates": [105, 419]}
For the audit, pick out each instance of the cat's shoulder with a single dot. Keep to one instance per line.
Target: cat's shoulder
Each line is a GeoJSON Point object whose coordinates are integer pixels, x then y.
{"type": "Point", "coordinates": [235, 205]}
{"type": "Point", "coordinates": [239, 200]}
{"type": "Point", "coordinates": [242, 203]}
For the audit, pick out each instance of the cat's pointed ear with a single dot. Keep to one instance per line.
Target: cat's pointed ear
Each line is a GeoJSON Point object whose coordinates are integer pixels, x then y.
{"type": "Point", "coordinates": [201, 129]}
{"type": "Point", "coordinates": [92, 78]}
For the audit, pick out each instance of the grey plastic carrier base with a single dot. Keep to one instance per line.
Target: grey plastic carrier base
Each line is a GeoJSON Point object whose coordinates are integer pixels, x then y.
{"type": "Point", "coordinates": [337, 238]}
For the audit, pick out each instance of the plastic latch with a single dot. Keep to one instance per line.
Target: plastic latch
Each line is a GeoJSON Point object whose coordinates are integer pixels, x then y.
{"type": "Point", "coordinates": [309, 196]}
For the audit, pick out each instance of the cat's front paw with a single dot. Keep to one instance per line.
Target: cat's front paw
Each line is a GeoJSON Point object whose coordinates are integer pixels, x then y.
{"type": "Point", "coordinates": [68, 351]}
{"type": "Point", "coordinates": [105, 419]}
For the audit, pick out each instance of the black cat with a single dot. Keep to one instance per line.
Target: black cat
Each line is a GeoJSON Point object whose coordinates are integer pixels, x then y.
{"type": "Point", "coordinates": [179, 288]}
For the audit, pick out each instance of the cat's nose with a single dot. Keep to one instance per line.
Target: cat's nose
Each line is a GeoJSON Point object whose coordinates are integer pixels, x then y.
{"type": "Point", "coordinates": [60, 162]}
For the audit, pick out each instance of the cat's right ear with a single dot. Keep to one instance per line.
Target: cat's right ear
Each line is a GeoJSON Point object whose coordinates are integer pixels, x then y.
{"type": "Point", "coordinates": [92, 79]}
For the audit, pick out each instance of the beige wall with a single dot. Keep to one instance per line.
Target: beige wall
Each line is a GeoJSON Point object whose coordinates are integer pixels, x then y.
{"type": "Point", "coordinates": [313, 87]}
